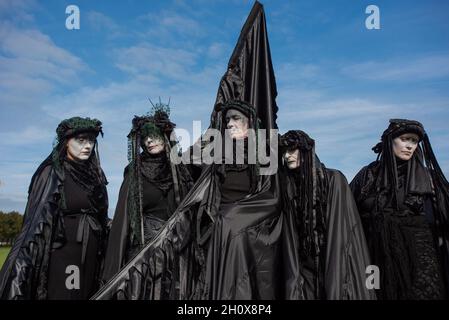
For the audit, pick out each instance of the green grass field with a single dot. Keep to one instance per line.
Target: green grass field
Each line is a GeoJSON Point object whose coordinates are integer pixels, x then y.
{"type": "Point", "coordinates": [3, 254]}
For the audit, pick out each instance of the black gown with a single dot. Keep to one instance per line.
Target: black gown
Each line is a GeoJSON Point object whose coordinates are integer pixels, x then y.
{"type": "Point", "coordinates": [401, 240]}
{"type": "Point", "coordinates": [81, 247]}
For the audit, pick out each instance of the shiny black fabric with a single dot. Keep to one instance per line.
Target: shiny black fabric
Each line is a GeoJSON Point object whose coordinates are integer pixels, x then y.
{"type": "Point", "coordinates": [250, 75]}
{"type": "Point", "coordinates": [159, 205]}
{"type": "Point", "coordinates": [344, 255]}
{"type": "Point", "coordinates": [171, 266]}
{"type": "Point", "coordinates": [25, 273]}
{"type": "Point", "coordinates": [243, 252]}
{"type": "Point", "coordinates": [208, 252]}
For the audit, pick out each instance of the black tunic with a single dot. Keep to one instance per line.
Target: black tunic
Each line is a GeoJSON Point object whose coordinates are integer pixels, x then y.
{"type": "Point", "coordinates": [71, 253]}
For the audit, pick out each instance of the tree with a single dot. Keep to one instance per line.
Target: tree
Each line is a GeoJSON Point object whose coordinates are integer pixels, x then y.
{"type": "Point", "coordinates": [10, 226]}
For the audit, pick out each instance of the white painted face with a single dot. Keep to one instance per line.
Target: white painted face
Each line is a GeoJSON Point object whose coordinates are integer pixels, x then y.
{"type": "Point", "coordinates": [405, 145]}
{"type": "Point", "coordinates": [154, 145]}
{"type": "Point", "coordinates": [292, 158]}
{"type": "Point", "coordinates": [79, 147]}
{"type": "Point", "coordinates": [237, 124]}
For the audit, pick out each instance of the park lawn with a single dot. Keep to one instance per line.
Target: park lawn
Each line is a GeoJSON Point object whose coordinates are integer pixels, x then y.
{"type": "Point", "coordinates": [3, 254]}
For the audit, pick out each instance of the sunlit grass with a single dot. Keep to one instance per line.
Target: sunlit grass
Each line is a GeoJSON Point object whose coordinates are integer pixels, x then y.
{"type": "Point", "coordinates": [3, 254]}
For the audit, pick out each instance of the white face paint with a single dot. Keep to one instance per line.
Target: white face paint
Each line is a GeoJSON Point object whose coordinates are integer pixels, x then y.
{"type": "Point", "coordinates": [237, 124]}
{"type": "Point", "coordinates": [79, 147]}
{"type": "Point", "coordinates": [154, 145]}
{"type": "Point", "coordinates": [405, 145]}
{"type": "Point", "coordinates": [292, 158]}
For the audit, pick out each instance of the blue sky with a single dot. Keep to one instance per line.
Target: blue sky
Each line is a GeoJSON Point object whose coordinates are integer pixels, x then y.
{"type": "Point", "coordinates": [337, 80]}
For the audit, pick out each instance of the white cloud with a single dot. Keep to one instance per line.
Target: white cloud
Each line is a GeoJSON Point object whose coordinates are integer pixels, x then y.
{"type": "Point", "coordinates": [17, 10]}
{"type": "Point", "coordinates": [168, 23]}
{"type": "Point", "coordinates": [104, 24]}
{"type": "Point", "coordinates": [32, 65]}
{"type": "Point", "coordinates": [27, 136]}
{"type": "Point", "coordinates": [345, 129]}
{"type": "Point", "coordinates": [33, 44]}
{"type": "Point", "coordinates": [404, 68]}
{"type": "Point", "coordinates": [146, 58]}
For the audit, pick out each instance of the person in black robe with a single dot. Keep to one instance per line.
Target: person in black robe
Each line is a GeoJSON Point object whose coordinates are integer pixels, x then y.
{"type": "Point", "coordinates": [325, 232]}
{"type": "Point", "coordinates": [221, 245]}
{"type": "Point", "coordinates": [403, 200]}
{"type": "Point", "coordinates": [58, 253]}
{"type": "Point", "coordinates": [151, 190]}
{"type": "Point", "coordinates": [223, 241]}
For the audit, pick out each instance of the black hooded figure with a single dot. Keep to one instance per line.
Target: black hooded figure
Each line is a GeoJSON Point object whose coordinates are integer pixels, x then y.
{"type": "Point", "coordinates": [403, 199]}
{"type": "Point", "coordinates": [58, 254]}
{"type": "Point", "coordinates": [325, 232]}
{"type": "Point", "coordinates": [152, 188]}
{"type": "Point", "coordinates": [224, 239]}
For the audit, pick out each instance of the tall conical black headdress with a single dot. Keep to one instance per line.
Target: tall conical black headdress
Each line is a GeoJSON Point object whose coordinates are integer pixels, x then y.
{"type": "Point", "coordinates": [250, 75]}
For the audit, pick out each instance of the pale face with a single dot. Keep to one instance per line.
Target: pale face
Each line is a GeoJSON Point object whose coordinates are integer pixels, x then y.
{"type": "Point", "coordinates": [79, 147]}
{"type": "Point", "coordinates": [292, 159]}
{"type": "Point", "coordinates": [237, 124]}
{"type": "Point", "coordinates": [405, 145]}
{"type": "Point", "coordinates": [154, 145]}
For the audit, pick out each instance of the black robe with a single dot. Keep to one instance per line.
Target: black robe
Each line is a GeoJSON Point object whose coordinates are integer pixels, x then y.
{"type": "Point", "coordinates": [204, 252]}
{"type": "Point", "coordinates": [25, 273]}
{"type": "Point", "coordinates": [344, 257]}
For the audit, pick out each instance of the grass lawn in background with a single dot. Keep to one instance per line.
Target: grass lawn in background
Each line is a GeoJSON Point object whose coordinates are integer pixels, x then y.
{"type": "Point", "coordinates": [3, 254]}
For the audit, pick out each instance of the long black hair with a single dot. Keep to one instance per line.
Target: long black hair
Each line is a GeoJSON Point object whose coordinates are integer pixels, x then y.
{"type": "Point", "coordinates": [310, 200]}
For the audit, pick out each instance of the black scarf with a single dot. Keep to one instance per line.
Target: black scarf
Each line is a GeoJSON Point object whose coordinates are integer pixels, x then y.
{"type": "Point", "coordinates": [85, 174]}
{"type": "Point", "coordinates": [156, 169]}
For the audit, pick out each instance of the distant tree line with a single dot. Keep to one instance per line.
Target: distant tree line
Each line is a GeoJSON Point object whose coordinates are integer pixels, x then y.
{"type": "Point", "coordinates": [10, 226]}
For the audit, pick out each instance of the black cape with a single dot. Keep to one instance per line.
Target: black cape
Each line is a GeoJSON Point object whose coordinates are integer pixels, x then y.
{"type": "Point", "coordinates": [199, 255]}
{"type": "Point", "coordinates": [24, 274]}
{"type": "Point", "coordinates": [345, 255]}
